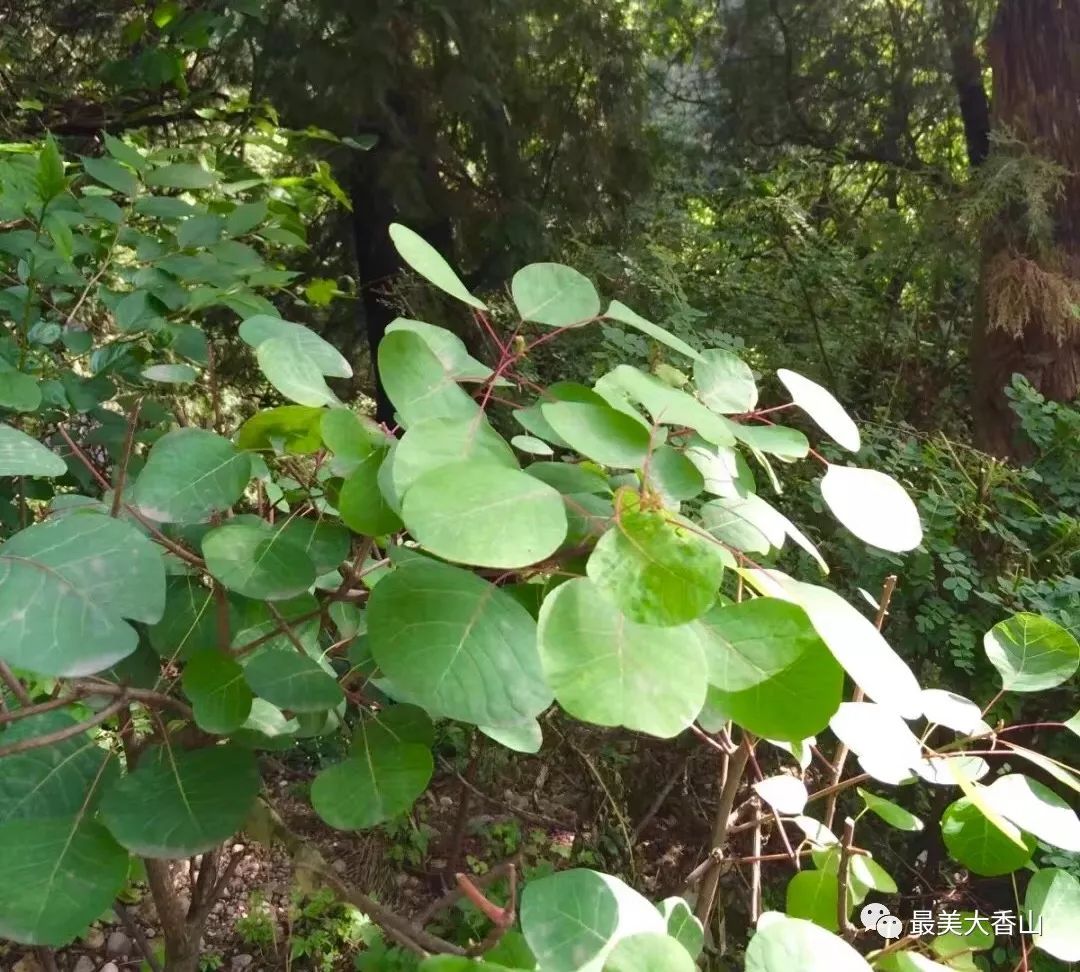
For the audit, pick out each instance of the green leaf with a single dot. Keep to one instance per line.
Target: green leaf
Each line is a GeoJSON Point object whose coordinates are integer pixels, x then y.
{"type": "Point", "coordinates": [783, 944]}
{"type": "Point", "coordinates": [326, 543]}
{"type": "Point", "coordinates": [295, 429]}
{"type": "Point", "coordinates": [812, 895]}
{"type": "Point", "coordinates": [293, 682]}
{"type": "Point", "coordinates": [600, 432]}
{"type": "Point", "coordinates": [887, 749]}
{"type": "Point", "coordinates": [351, 437]}
{"type": "Point", "coordinates": [49, 178]}
{"type": "Point", "coordinates": [621, 313]}
{"type": "Point", "coordinates": [531, 445]}
{"type": "Point", "coordinates": [772, 672]}
{"type": "Point", "coordinates": [447, 347]}
{"type": "Point", "coordinates": [609, 671]}
{"type": "Point", "coordinates": [657, 571]}
{"type": "Point", "coordinates": [725, 382]}
{"type": "Point", "coordinates": [382, 778]}
{"type": "Point", "coordinates": [19, 392]}
{"type": "Point", "coordinates": [491, 516]}
{"type": "Point", "coordinates": [49, 781]}
{"type": "Point", "coordinates": [170, 374]}
{"type": "Point", "coordinates": [257, 561]}
{"type": "Point", "coordinates": [673, 476]}
{"type": "Point", "coordinates": [65, 586]}
{"type": "Point", "coordinates": [747, 523]}
{"type": "Point", "coordinates": [181, 175]}
{"type": "Point", "coordinates": [776, 440]}
{"type": "Point", "coordinates": [112, 174]}
{"type": "Point", "coordinates": [21, 455]}
{"type": "Point", "coordinates": [1032, 653]}
{"type": "Point", "coordinates": [246, 217]}
{"type": "Point", "coordinates": [672, 406]}
{"type": "Point", "coordinates": [1053, 901]}
{"type": "Point", "coordinates": [362, 506]}
{"type": "Point", "coordinates": [823, 408]}
{"type": "Point", "coordinates": [893, 814]}
{"type": "Point", "coordinates": [288, 368]}
{"type": "Point", "coordinates": [570, 478]}
{"type": "Point", "coordinates": [859, 647]}
{"type": "Point", "coordinates": [1035, 808]}
{"type": "Point", "coordinates": [59, 875]}
{"type": "Point", "coordinates": [219, 695]}
{"type": "Point", "coordinates": [785, 794]}
{"type": "Point", "coordinates": [573, 920]}
{"type": "Point", "coordinates": [682, 925]}
{"type": "Point", "coordinates": [551, 294]}
{"type": "Point", "coordinates": [872, 506]}
{"type": "Point", "coordinates": [179, 803]}
{"type": "Point", "coordinates": [189, 475]}
{"type": "Point", "coordinates": [527, 737]}
{"type": "Point", "coordinates": [416, 382]}
{"type": "Point", "coordinates": [457, 645]}
{"type": "Point", "coordinates": [978, 844]}
{"type": "Point", "coordinates": [437, 443]}
{"type": "Point", "coordinates": [257, 330]}
{"type": "Point", "coordinates": [189, 622]}
{"type": "Point", "coordinates": [649, 952]}
{"type": "Point", "coordinates": [122, 152]}
{"type": "Point", "coordinates": [427, 261]}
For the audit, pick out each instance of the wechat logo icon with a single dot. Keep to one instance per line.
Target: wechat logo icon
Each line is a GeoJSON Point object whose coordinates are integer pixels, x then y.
{"type": "Point", "coordinates": [876, 917]}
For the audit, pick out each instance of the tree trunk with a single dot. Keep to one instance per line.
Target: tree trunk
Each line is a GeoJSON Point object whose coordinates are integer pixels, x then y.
{"type": "Point", "coordinates": [1030, 283]}
{"type": "Point", "coordinates": [967, 71]}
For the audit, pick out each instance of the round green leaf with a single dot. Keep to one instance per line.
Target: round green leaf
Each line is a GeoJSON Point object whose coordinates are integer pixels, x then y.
{"type": "Point", "coordinates": [600, 432]}
{"type": "Point", "coordinates": [649, 952]}
{"type": "Point", "coordinates": [170, 374]}
{"type": "Point", "coordinates": [292, 681]}
{"type": "Point", "coordinates": [1032, 653]}
{"type": "Point", "coordinates": [671, 406]}
{"type": "Point", "coordinates": [181, 175]}
{"type": "Point", "coordinates": [812, 895]}
{"type": "Point", "coordinates": [351, 437]}
{"type": "Point", "coordinates": [610, 671]}
{"type": "Point", "coordinates": [1053, 900]}
{"type": "Point", "coordinates": [551, 294]}
{"type": "Point", "coordinates": [655, 570]}
{"type": "Point", "coordinates": [65, 587]}
{"type": "Point", "coordinates": [21, 455]}
{"type": "Point", "coordinates": [361, 503]}
{"type": "Point", "coordinates": [457, 645]}
{"type": "Point", "coordinates": [179, 803]}
{"type": "Point", "coordinates": [440, 442]}
{"type": "Point", "coordinates": [258, 562]}
{"type": "Point", "coordinates": [532, 445]}
{"type": "Point", "coordinates": [1035, 808]}
{"type": "Point", "coordinates": [428, 262]}
{"type": "Point", "coordinates": [572, 920]}
{"type": "Point", "coordinates": [776, 440]}
{"type": "Point", "coordinates": [674, 476]}
{"type": "Point", "coordinates": [257, 330]}
{"type": "Point", "coordinates": [448, 348]}
{"type": "Point", "coordinates": [893, 814]}
{"type": "Point", "coordinates": [725, 382]}
{"type": "Point", "coordinates": [483, 514]}
{"type": "Point", "coordinates": [19, 392]}
{"type": "Point", "coordinates": [527, 737]}
{"type": "Point", "coordinates": [771, 671]}
{"type": "Point", "coordinates": [416, 382]}
{"type": "Point", "coordinates": [189, 621]}
{"type": "Point", "coordinates": [570, 478]}
{"type": "Point", "coordinates": [859, 647]}
{"type": "Point", "coordinates": [783, 944]}
{"type": "Point", "coordinates": [978, 844]}
{"type": "Point", "coordinates": [190, 474]}
{"type": "Point", "coordinates": [326, 544]}
{"type": "Point", "coordinates": [380, 779]}
{"type": "Point", "coordinates": [219, 695]}
{"type": "Point", "coordinates": [872, 506]}
{"type": "Point", "coordinates": [823, 408]}
{"type": "Point", "coordinates": [953, 711]}
{"type": "Point", "coordinates": [682, 925]}
{"type": "Point", "coordinates": [291, 428]}
{"type": "Point", "coordinates": [288, 368]}
{"type": "Point", "coordinates": [59, 876]}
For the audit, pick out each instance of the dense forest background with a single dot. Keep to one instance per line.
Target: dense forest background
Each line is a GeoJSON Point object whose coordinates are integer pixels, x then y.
{"type": "Point", "coordinates": [884, 194]}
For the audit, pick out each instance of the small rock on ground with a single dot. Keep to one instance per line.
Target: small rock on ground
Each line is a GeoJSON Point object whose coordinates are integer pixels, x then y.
{"type": "Point", "coordinates": [242, 961]}
{"type": "Point", "coordinates": [118, 944]}
{"type": "Point", "coordinates": [110, 967]}
{"type": "Point", "coordinates": [28, 963]}
{"type": "Point", "coordinates": [85, 964]}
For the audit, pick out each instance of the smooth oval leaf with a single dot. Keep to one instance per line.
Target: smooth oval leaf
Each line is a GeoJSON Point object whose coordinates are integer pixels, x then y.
{"type": "Point", "coordinates": [783, 944]}
{"type": "Point", "coordinates": [624, 315]}
{"type": "Point", "coordinates": [483, 514]}
{"type": "Point", "coordinates": [416, 382]}
{"type": "Point", "coordinates": [220, 697]}
{"type": "Point", "coordinates": [649, 952]}
{"type": "Point", "coordinates": [873, 506]}
{"type": "Point", "coordinates": [289, 369]}
{"type": "Point", "coordinates": [893, 814]}
{"type": "Point", "coordinates": [1035, 808]}
{"type": "Point", "coordinates": [725, 382]}
{"type": "Point", "coordinates": [190, 474]}
{"type": "Point", "coordinates": [600, 432]}
{"type": "Point", "coordinates": [1032, 653]}
{"type": "Point", "coordinates": [819, 403]}
{"type": "Point", "coordinates": [978, 844]}
{"type": "Point", "coordinates": [257, 561]}
{"type": "Point", "coordinates": [555, 295]}
{"type": "Point", "coordinates": [429, 263]}
{"type": "Point", "coordinates": [1053, 902]}
{"type": "Point", "coordinates": [362, 504]}
{"type": "Point", "coordinates": [610, 671]}
{"type": "Point", "coordinates": [785, 794]}
{"type": "Point", "coordinates": [21, 455]}
{"type": "Point", "coordinates": [439, 442]}
{"type": "Point", "coordinates": [292, 681]}
{"type": "Point", "coordinates": [257, 330]}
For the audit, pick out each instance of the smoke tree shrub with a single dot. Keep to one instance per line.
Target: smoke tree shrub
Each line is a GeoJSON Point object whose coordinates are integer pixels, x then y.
{"type": "Point", "coordinates": [178, 596]}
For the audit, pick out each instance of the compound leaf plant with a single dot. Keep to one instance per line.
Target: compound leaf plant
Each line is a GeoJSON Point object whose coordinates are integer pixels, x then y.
{"type": "Point", "coordinates": [177, 596]}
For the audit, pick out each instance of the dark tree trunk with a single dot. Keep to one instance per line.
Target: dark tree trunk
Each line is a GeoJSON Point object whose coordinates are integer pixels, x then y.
{"type": "Point", "coordinates": [1030, 283]}
{"type": "Point", "coordinates": [967, 75]}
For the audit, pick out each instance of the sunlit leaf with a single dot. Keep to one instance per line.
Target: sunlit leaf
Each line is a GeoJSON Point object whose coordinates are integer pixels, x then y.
{"type": "Point", "coordinates": [429, 263]}
{"type": "Point", "coordinates": [822, 407]}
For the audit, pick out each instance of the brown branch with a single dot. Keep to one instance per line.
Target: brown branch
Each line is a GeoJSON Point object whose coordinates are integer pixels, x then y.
{"type": "Point", "coordinates": [148, 698]}
{"type": "Point", "coordinates": [137, 935]}
{"type": "Point", "coordinates": [16, 687]}
{"type": "Point", "coordinates": [658, 802]}
{"type": "Point", "coordinates": [59, 735]}
{"type": "Point", "coordinates": [129, 444]}
{"type": "Point", "coordinates": [503, 918]}
{"type": "Point", "coordinates": [843, 897]}
{"type": "Point", "coordinates": [755, 871]}
{"type": "Point", "coordinates": [455, 894]}
{"type": "Point", "coordinates": [39, 709]}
